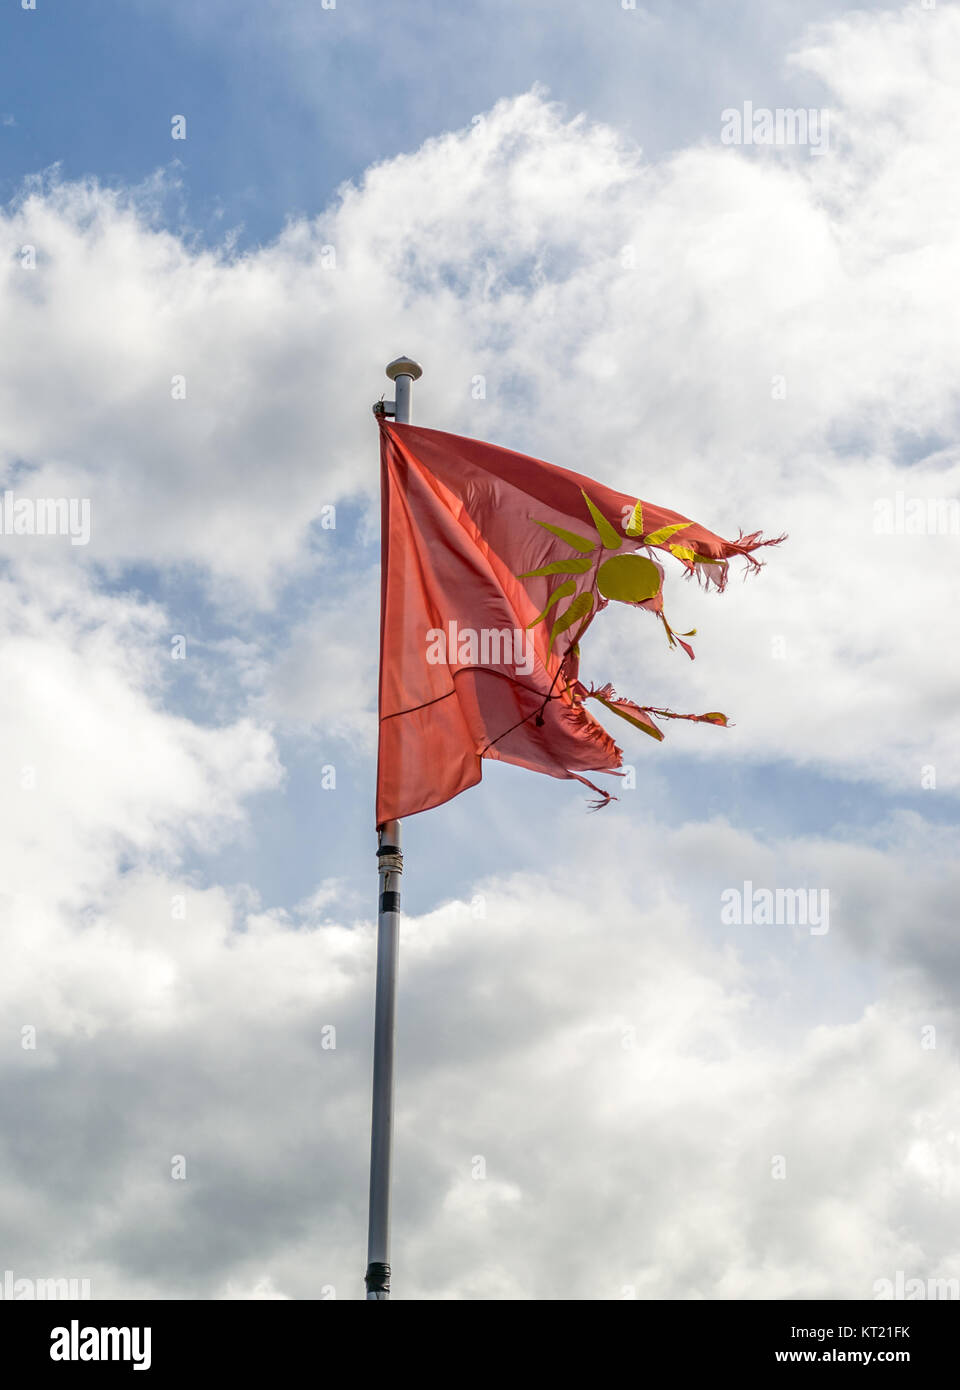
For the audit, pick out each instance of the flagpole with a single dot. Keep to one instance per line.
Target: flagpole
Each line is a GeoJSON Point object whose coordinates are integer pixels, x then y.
{"type": "Point", "coordinates": [403, 372]}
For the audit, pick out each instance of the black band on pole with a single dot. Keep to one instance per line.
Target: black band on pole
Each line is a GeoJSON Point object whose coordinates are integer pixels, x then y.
{"type": "Point", "coordinates": [377, 1278]}
{"type": "Point", "coordinates": [389, 902]}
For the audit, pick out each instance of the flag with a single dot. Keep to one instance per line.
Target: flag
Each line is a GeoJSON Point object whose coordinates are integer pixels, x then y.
{"type": "Point", "coordinates": [493, 567]}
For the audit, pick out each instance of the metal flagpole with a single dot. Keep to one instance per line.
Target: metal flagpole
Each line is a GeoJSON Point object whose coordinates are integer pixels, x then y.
{"type": "Point", "coordinates": [403, 373]}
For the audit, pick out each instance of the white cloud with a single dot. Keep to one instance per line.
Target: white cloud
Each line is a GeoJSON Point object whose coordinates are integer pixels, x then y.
{"type": "Point", "coordinates": [499, 251]}
{"type": "Point", "coordinates": [324, 677]}
{"type": "Point", "coordinates": [95, 770]}
{"type": "Point", "coordinates": [603, 1044]}
{"type": "Point", "coordinates": [496, 251]}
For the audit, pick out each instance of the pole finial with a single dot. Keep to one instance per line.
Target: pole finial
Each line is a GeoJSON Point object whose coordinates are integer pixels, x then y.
{"type": "Point", "coordinates": [404, 366]}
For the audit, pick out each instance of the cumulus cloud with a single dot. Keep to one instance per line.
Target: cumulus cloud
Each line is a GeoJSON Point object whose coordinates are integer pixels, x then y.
{"type": "Point", "coordinates": [590, 1059]}
{"type": "Point", "coordinates": [592, 1103]}
{"type": "Point", "coordinates": [756, 339]}
{"type": "Point", "coordinates": [96, 770]}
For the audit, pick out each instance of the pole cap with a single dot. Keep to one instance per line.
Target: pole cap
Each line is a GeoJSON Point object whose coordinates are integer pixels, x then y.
{"type": "Point", "coordinates": [404, 366]}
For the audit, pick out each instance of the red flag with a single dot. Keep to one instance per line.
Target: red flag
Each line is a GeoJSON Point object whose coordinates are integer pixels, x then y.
{"type": "Point", "coordinates": [493, 567]}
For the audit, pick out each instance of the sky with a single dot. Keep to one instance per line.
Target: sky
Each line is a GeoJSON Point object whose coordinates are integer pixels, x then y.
{"type": "Point", "coordinates": [607, 1088]}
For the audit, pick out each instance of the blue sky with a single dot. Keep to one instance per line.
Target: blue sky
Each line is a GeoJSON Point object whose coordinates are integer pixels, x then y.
{"type": "Point", "coordinates": [93, 86]}
{"type": "Point", "coordinates": [480, 174]}
{"type": "Point", "coordinates": [328, 88]}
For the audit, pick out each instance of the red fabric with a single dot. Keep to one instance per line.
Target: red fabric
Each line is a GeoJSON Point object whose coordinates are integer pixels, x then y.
{"type": "Point", "coordinates": [459, 524]}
